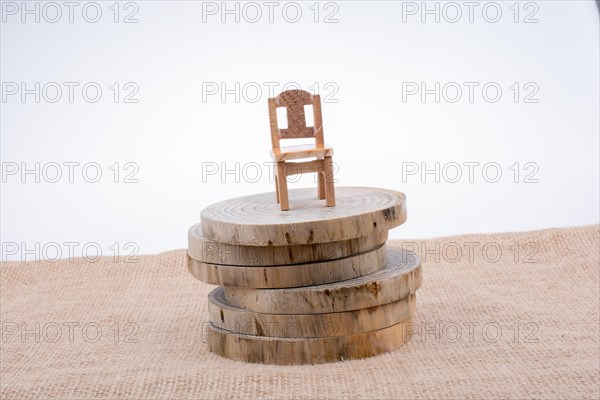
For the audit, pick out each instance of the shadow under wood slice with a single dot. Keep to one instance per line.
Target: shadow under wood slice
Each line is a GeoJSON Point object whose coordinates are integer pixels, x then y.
{"type": "Point", "coordinates": [237, 320]}
{"type": "Point", "coordinates": [400, 276]}
{"type": "Point", "coordinates": [288, 276]}
{"type": "Point", "coordinates": [212, 252]}
{"type": "Point", "coordinates": [289, 351]}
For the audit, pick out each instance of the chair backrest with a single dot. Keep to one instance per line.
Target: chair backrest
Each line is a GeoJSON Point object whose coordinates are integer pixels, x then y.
{"type": "Point", "coordinates": [294, 101]}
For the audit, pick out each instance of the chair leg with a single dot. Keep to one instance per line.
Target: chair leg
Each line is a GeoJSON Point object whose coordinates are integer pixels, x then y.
{"type": "Point", "coordinates": [282, 184]}
{"type": "Point", "coordinates": [276, 188]}
{"type": "Point", "coordinates": [329, 188]}
{"type": "Point", "coordinates": [321, 185]}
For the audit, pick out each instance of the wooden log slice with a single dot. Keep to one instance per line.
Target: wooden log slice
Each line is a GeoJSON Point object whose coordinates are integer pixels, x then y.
{"type": "Point", "coordinates": [288, 276]}
{"type": "Point", "coordinates": [209, 251]}
{"type": "Point", "coordinates": [257, 220]}
{"type": "Point", "coordinates": [295, 351]}
{"type": "Point", "coordinates": [345, 323]}
{"type": "Point", "coordinates": [400, 277]}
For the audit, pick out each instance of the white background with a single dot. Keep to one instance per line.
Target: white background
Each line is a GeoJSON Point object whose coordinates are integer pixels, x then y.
{"type": "Point", "coordinates": [360, 64]}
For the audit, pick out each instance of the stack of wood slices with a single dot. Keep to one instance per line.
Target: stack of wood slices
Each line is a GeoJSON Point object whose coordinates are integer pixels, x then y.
{"type": "Point", "coordinates": [310, 285]}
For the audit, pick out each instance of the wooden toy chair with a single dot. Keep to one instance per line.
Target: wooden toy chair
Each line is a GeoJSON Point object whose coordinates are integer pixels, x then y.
{"type": "Point", "coordinates": [294, 101]}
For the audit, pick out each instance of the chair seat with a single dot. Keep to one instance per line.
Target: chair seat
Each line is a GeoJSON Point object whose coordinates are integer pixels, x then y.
{"type": "Point", "coordinates": [301, 151]}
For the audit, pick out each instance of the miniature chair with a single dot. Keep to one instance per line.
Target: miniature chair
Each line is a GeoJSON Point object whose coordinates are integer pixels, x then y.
{"type": "Point", "coordinates": [294, 101]}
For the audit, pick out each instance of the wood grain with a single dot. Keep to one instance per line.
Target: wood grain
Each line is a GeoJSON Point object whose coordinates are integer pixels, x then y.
{"type": "Point", "coordinates": [400, 277]}
{"type": "Point", "coordinates": [288, 276]}
{"type": "Point", "coordinates": [297, 351]}
{"type": "Point", "coordinates": [294, 102]}
{"type": "Point", "coordinates": [257, 220]}
{"type": "Point", "coordinates": [295, 152]}
{"type": "Point", "coordinates": [345, 323]}
{"type": "Point", "coordinates": [209, 251]}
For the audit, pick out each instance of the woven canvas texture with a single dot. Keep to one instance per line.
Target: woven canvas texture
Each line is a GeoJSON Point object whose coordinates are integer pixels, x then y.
{"type": "Point", "coordinates": [512, 315]}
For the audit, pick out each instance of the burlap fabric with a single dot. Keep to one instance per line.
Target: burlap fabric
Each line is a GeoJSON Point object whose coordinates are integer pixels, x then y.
{"type": "Point", "coordinates": [522, 323]}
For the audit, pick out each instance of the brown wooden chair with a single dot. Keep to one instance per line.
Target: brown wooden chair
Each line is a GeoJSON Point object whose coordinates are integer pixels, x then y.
{"type": "Point", "coordinates": [294, 101]}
